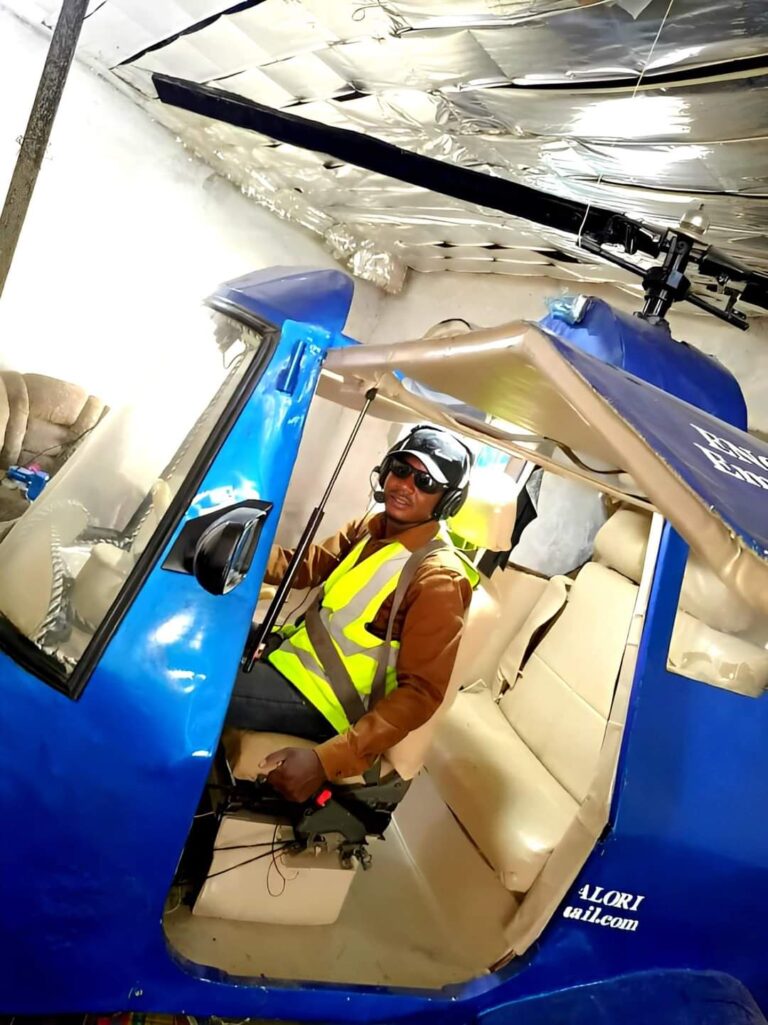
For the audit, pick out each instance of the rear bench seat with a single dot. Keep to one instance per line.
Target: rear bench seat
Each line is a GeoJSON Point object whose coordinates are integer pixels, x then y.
{"type": "Point", "coordinates": [515, 756]}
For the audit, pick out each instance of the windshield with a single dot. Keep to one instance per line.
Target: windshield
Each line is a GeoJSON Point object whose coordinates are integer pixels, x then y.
{"type": "Point", "coordinates": [66, 559]}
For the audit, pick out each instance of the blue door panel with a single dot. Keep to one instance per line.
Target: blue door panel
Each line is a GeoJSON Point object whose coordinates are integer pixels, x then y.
{"type": "Point", "coordinates": [98, 794]}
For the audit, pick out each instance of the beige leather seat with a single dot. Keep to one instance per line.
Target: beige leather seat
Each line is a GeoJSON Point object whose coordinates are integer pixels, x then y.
{"type": "Point", "coordinates": [718, 658]}
{"type": "Point", "coordinates": [515, 758]}
{"type": "Point", "coordinates": [32, 573]}
{"type": "Point", "coordinates": [486, 522]}
{"type": "Point", "coordinates": [41, 418]}
{"type": "Point", "coordinates": [107, 567]}
{"type": "Point", "coordinates": [713, 639]}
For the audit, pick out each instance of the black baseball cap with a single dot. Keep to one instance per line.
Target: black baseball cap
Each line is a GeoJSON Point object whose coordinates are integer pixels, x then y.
{"type": "Point", "coordinates": [444, 457]}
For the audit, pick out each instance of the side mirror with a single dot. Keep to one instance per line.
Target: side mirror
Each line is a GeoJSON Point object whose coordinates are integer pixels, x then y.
{"type": "Point", "coordinates": [224, 553]}
{"type": "Point", "coordinates": [218, 548]}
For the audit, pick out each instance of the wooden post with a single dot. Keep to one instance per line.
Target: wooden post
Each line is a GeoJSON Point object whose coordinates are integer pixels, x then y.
{"type": "Point", "coordinates": [35, 141]}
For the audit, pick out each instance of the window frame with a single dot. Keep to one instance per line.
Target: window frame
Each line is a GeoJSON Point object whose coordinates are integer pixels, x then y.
{"type": "Point", "coordinates": [46, 668]}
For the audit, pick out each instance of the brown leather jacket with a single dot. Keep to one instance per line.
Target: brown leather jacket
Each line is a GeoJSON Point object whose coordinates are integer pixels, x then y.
{"type": "Point", "coordinates": [428, 626]}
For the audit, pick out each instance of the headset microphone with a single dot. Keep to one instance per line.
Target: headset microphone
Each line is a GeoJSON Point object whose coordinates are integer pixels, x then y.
{"type": "Point", "coordinates": [378, 494]}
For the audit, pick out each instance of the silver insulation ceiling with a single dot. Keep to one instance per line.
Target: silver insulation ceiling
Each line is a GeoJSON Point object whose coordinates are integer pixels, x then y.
{"type": "Point", "coordinates": [642, 107]}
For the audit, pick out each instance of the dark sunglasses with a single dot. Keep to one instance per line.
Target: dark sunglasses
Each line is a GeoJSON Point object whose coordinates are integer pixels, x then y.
{"type": "Point", "coordinates": [424, 481]}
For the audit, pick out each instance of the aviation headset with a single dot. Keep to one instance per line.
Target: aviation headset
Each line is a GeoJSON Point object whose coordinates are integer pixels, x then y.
{"type": "Point", "coordinates": [452, 498]}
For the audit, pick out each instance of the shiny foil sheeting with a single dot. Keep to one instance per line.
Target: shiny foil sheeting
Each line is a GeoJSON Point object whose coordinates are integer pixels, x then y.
{"type": "Point", "coordinates": [542, 92]}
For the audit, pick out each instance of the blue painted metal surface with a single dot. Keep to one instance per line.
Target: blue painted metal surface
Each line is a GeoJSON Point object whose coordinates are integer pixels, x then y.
{"type": "Point", "coordinates": [320, 297]}
{"type": "Point", "coordinates": [725, 467]}
{"type": "Point", "coordinates": [703, 998]}
{"type": "Point", "coordinates": [97, 797]}
{"type": "Point", "coordinates": [648, 352]}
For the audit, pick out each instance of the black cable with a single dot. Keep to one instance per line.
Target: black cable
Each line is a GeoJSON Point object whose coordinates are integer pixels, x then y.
{"type": "Point", "coordinates": [91, 13]}
{"type": "Point", "coordinates": [265, 854]}
{"type": "Point", "coordinates": [294, 611]}
{"type": "Point", "coordinates": [276, 866]}
{"type": "Point", "coordinates": [62, 446]}
{"type": "Point", "coordinates": [566, 450]}
{"type": "Point", "coordinates": [246, 846]}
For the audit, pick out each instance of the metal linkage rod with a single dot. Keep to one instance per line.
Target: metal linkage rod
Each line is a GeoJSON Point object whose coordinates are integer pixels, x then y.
{"type": "Point", "coordinates": [310, 530]}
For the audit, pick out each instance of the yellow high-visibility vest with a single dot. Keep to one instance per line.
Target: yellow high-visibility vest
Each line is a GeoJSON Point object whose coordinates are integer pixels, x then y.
{"type": "Point", "coordinates": [352, 597]}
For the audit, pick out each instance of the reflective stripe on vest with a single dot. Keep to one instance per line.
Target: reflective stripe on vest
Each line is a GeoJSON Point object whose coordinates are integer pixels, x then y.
{"type": "Point", "coordinates": [352, 597]}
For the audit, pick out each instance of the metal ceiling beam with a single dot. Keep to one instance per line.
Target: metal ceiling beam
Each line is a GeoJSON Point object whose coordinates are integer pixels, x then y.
{"type": "Point", "coordinates": [383, 158]}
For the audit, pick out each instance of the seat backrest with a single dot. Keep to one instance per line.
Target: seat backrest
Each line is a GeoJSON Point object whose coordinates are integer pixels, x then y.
{"type": "Point", "coordinates": [499, 609]}
{"type": "Point", "coordinates": [550, 601]}
{"type": "Point", "coordinates": [706, 639]}
{"type": "Point", "coordinates": [13, 420]}
{"type": "Point", "coordinates": [486, 519]}
{"type": "Point", "coordinates": [59, 415]}
{"type": "Point", "coordinates": [560, 703]}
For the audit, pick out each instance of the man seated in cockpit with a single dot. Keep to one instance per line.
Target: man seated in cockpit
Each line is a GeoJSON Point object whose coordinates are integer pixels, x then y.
{"type": "Point", "coordinates": [372, 658]}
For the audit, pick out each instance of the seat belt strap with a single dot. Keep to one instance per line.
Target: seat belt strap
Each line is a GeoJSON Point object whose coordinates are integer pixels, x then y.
{"type": "Point", "coordinates": [335, 670]}
{"type": "Point", "coordinates": [329, 658]}
{"type": "Point", "coordinates": [379, 685]}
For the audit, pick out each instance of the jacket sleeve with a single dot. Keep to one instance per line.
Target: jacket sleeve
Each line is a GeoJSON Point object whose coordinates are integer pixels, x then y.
{"type": "Point", "coordinates": [319, 561]}
{"type": "Point", "coordinates": [435, 607]}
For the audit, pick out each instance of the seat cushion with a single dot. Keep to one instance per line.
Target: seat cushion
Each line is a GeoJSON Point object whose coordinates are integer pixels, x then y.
{"type": "Point", "coordinates": [506, 800]}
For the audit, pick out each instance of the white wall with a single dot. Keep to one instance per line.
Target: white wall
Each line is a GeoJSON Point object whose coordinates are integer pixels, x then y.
{"type": "Point", "coordinates": [125, 235]}
{"type": "Point", "coordinates": [489, 299]}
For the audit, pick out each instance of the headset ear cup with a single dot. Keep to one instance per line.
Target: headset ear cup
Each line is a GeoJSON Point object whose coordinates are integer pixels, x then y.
{"type": "Point", "coordinates": [450, 503]}
{"type": "Point", "coordinates": [461, 498]}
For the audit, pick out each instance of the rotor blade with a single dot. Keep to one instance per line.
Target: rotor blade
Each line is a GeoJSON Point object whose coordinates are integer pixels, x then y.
{"type": "Point", "coordinates": [384, 158]}
{"type": "Point", "coordinates": [461, 183]}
